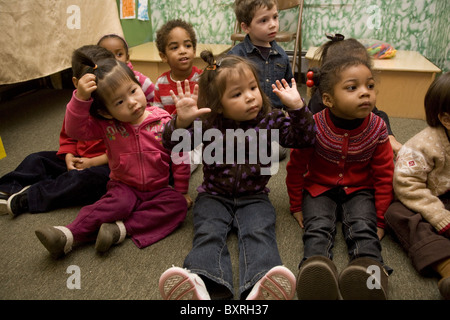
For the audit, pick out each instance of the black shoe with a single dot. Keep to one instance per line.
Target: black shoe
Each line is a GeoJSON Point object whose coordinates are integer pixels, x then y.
{"type": "Point", "coordinates": [4, 195]}
{"type": "Point", "coordinates": [18, 202]}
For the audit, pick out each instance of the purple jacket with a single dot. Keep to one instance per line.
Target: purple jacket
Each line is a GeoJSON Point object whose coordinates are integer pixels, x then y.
{"type": "Point", "coordinates": [230, 175]}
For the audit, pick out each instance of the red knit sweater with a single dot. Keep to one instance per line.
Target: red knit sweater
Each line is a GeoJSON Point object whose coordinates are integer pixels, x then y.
{"type": "Point", "coordinates": [352, 159]}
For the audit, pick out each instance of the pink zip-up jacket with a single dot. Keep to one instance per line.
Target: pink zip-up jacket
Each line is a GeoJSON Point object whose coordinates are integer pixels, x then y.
{"type": "Point", "coordinates": [136, 155]}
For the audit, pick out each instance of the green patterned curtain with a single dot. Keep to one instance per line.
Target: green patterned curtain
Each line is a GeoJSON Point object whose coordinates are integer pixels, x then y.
{"type": "Point", "coordinates": [420, 25]}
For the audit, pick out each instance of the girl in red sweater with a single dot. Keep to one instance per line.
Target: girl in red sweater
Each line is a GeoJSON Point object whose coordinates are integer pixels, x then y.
{"type": "Point", "coordinates": [347, 175]}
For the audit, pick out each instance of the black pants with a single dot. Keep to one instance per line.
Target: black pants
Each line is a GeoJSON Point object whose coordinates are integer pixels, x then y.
{"type": "Point", "coordinates": [52, 186]}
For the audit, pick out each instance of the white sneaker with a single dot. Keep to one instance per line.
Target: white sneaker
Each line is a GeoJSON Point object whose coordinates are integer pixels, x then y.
{"type": "Point", "coordinates": [277, 284]}
{"type": "Point", "coordinates": [180, 284]}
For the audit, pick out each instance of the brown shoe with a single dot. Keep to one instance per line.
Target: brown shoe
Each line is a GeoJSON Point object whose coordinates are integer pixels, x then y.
{"type": "Point", "coordinates": [317, 279]}
{"type": "Point", "coordinates": [109, 234]}
{"type": "Point", "coordinates": [57, 240]}
{"type": "Point", "coordinates": [363, 279]}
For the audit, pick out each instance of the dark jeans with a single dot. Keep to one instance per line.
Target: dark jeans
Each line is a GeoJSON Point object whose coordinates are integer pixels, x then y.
{"type": "Point", "coordinates": [359, 223]}
{"type": "Point", "coordinates": [52, 186]}
{"type": "Point", "coordinates": [419, 239]}
{"type": "Point", "coordinates": [253, 218]}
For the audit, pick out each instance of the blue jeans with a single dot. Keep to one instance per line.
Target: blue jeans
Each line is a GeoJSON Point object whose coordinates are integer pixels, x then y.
{"type": "Point", "coordinates": [253, 217]}
{"type": "Point", "coordinates": [359, 223]}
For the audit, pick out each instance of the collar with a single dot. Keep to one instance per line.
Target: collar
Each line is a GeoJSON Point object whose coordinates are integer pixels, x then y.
{"type": "Point", "coordinates": [250, 47]}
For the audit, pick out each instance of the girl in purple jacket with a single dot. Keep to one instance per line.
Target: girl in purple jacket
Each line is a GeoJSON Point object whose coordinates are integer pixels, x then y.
{"type": "Point", "coordinates": [110, 104]}
{"type": "Point", "coordinates": [236, 128]}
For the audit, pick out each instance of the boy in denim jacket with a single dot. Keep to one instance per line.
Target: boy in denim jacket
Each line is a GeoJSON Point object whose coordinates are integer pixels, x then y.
{"type": "Point", "coordinates": [259, 20]}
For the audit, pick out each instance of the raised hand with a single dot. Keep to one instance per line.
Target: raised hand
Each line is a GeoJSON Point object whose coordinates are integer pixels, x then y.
{"type": "Point", "coordinates": [289, 96]}
{"type": "Point", "coordinates": [86, 85]}
{"type": "Point", "coordinates": [186, 104]}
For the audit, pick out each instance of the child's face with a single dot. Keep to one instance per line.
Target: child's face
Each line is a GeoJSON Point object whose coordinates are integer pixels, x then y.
{"type": "Point", "coordinates": [116, 47]}
{"type": "Point", "coordinates": [179, 51]}
{"type": "Point", "coordinates": [127, 103]}
{"type": "Point", "coordinates": [354, 95]}
{"type": "Point", "coordinates": [264, 26]}
{"type": "Point", "coordinates": [241, 100]}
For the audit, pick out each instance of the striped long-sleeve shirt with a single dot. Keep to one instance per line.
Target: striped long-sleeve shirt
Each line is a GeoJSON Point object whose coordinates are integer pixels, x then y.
{"type": "Point", "coordinates": [164, 84]}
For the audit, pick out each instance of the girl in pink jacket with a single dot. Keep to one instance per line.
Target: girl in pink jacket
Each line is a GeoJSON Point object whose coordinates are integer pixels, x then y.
{"type": "Point", "coordinates": [110, 104]}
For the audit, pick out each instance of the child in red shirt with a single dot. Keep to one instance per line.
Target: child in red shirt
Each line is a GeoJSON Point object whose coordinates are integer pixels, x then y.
{"type": "Point", "coordinates": [74, 175]}
{"type": "Point", "coordinates": [348, 175]}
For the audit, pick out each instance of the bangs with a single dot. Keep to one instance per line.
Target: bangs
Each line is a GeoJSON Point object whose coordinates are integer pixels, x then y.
{"type": "Point", "coordinates": [234, 74]}
{"type": "Point", "coordinates": [114, 80]}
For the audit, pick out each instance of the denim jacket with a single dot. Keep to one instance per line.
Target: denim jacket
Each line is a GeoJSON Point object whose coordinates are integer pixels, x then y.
{"type": "Point", "coordinates": [276, 67]}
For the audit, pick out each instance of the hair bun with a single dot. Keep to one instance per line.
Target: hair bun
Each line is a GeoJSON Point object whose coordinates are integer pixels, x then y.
{"type": "Point", "coordinates": [207, 56]}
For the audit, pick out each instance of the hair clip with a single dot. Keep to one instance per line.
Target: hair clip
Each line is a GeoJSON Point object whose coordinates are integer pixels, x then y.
{"type": "Point", "coordinates": [212, 66]}
{"type": "Point", "coordinates": [310, 81]}
{"type": "Point", "coordinates": [335, 37]}
{"type": "Point", "coordinates": [215, 65]}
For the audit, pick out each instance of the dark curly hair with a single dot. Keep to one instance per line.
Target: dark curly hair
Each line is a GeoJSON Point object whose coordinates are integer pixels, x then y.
{"type": "Point", "coordinates": [163, 33]}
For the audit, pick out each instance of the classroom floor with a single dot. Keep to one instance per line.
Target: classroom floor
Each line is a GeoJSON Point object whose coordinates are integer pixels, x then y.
{"type": "Point", "coordinates": [32, 123]}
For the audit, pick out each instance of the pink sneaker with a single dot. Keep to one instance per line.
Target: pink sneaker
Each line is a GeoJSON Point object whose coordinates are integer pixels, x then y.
{"type": "Point", "coordinates": [180, 284]}
{"type": "Point", "coordinates": [277, 284]}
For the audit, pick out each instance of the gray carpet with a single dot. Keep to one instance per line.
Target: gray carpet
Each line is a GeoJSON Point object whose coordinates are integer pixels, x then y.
{"type": "Point", "coordinates": [32, 122]}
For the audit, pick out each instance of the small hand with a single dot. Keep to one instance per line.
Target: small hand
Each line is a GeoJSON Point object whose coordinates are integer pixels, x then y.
{"type": "Point", "coordinates": [72, 162]}
{"type": "Point", "coordinates": [186, 104]}
{"type": "Point", "coordinates": [289, 96]}
{"type": "Point", "coordinates": [380, 233]}
{"type": "Point", "coordinates": [299, 217]}
{"type": "Point", "coordinates": [189, 201]}
{"type": "Point", "coordinates": [86, 85]}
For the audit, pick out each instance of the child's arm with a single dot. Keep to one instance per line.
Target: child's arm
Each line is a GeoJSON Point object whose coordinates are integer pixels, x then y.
{"type": "Point", "coordinates": [298, 130]}
{"type": "Point", "coordinates": [289, 96]}
{"type": "Point", "coordinates": [382, 164]}
{"type": "Point", "coordinates": [296, 169]}
{"type": "Point", "coordinates": [186, 104]}
{"type": "Point", "coordinates": [79, 124]}
{"type": "Point", "coordinates": [411, 186]}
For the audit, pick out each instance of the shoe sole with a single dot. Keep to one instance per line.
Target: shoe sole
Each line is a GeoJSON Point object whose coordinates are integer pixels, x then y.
{"type": "Point", "coordinates": [277, 284]}
{"type": "Point", "coordinates": [175, 284]}
{"type": "Point", "coordinates": [353, 285]}
{"type": "Point", "coordinates": [3, 207]}
{"type": "Point", "coordinates": [317, 281]}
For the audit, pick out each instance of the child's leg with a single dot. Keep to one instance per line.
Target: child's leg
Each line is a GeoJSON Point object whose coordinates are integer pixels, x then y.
{"type": "Point", "coordinates": [417, 237]}
{"type": "Point", "coordinates": [366, 276]}
{"type": "Point", "coordinates": [34, 168]}
{"type": "Point", "coordinates": [428, 250]}
{"type": "Point", "coordinates": [157, 214]}
{"type": "Point", "coordinates": [359, 225]}
{"type": "Point", "coordinates": [70, 188]}
{"type": "Point", "coordinates": [117, 204]}
{"type": "Point", "coordinates": [255, 224]}
{"type": "Point", "coordinates": [317, 278]}
{"type": "Point", "coordinates": [319, 214]}
{"type": "Point", "coordinates": [209, 256]}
